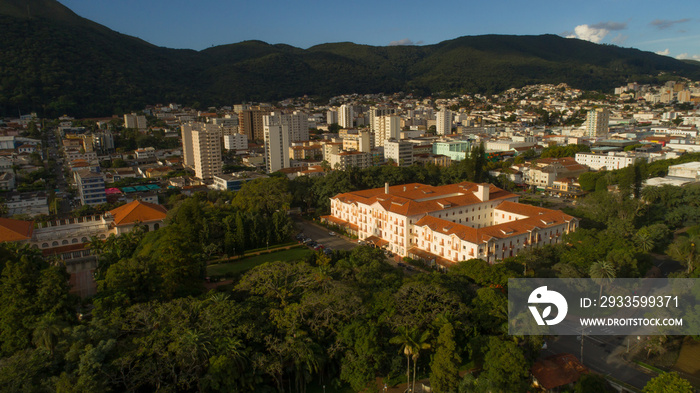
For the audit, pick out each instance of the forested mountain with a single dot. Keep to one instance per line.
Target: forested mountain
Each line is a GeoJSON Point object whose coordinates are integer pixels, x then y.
{"type": "Point", "coordinates": [56, 62]}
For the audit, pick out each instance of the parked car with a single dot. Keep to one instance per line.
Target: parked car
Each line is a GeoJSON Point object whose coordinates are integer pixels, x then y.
{"type": "Point", "coordinates": [331, 233]}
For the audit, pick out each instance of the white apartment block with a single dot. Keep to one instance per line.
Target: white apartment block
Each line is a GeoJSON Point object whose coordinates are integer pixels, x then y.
{"type": "Point", "coordinates": [277, 142]}
{"type": "Point", "coordinates": [597, 122]}
{"type": "Point", "coordinates": [235, 142]}
{"type": "Point", "coordinates": [443, 122]}
{"type": "Point", "coordinates": [201, 148]}
{"type": "Point", "coordinates": [447, 224]}
{"type": "Point", "coordinates": [387, 127]}
{"type": "Point", "coordinates": [346, 115]}
{"type": "Point", "coordinates": [610, 161]}
{"type": "Point", "coordinates": [332, 117]}
{"type": "Point", "coordinates": [349, 159]}
{"type": "Point", "coordinates": [400, 152]}
{"type": "Point", "coordinates": [135, 121]}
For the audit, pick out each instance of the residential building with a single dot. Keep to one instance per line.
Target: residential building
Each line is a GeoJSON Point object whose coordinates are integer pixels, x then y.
{"type": "Point", "coordinates": [235, 142]}
{"type": "Point", "coordinates": [135, 121]}
{"type": "Point", "coordinates": [250, 122]}
{"type": "Point", "coordinates": [386, 128]}
{"type": "Point", "coordinates": [346, 116]}
{"type": "Point", "coordinates": [447, 224]}
{"type": "Point", "coordinates": [91, 187]}
{"type": "Point", "coordinates": [280, 130]}
{"type": "Point", "coordinates": [543, 172]}
{"type": "Point", "coordinates": [399, 152]}
{"type": "Point", "coordinates": [201, 148]}
{"type": "Point", "coordinates": [349, 159]}
{"type": "Point", "coordinates": [30, 203]}
{"type": "Point", "coordinates": [332, 116]}
{"type": "Point", "coordinates": [443, 122]}
{"type": "Point", "coordinates": [610, 161]}
{"type": "Point", "coordinates": [597, 122]}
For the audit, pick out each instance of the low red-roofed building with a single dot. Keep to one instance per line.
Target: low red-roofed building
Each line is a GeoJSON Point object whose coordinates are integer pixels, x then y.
{"type": "Point", "coordinates": [68, 239]}
{"type": "Point", "coordinates": [450, 223]}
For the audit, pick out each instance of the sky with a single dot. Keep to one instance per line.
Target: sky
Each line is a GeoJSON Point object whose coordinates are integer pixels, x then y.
{"type": "Point", "coordinates": [670, 28]}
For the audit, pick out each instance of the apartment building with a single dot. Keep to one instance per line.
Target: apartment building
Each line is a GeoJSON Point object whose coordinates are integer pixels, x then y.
{"type": "Point", "coordinates": [543, 172]}
{"type": "Point", "coordinates": [611, 160]}
{"type": "Point", "coordinates": [597, 122]}
{"type": "Point", "coordinates": [346, 116]}
{"type": "Point", "coordinates": [447, 224]}
{"type": "Point", "coordinates": [91, 187]}
{"type": "Point", "coordinates": [201, 149]}
{"type": "Point", "coordinates": [443, 122]}
{"type": "Point", "coordinates": [399, 152]}
{"type": "Point", "coordinates": [349, 159]}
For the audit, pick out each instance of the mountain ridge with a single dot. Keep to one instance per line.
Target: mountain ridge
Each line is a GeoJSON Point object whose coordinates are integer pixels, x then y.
{"type": "Point", "coordinates": [57, 62]}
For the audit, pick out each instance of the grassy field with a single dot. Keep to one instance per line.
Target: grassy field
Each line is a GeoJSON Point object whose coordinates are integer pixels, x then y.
{"type": "Point", "coordinates": [241, 265]}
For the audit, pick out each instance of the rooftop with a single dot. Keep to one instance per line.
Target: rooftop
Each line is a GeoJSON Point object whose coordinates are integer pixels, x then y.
{"type": "Point", "coordinates": [15, 230]}
{"type": "Point", "coordinates": [138, 211]}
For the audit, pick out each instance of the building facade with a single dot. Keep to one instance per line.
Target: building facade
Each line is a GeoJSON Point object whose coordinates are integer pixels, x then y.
{"type": "Point", "coordinates": [443, 122]}
{"type": "Point", "coordinates": [447, 224]}
{"type": "Point", "coordinates": [201, 149]}
{"type": "Point", "coordinates": [91, 187]}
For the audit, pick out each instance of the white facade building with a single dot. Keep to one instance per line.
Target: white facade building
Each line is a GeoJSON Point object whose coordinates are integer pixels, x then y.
{"type": "Point", "coordinates": [611, 161]}
{"type": "Point", "coordinates": [235, 142]}
{"type": "Point", "coordinates": [450, 223]}
{"type": "Point", "coordinates": [597, 122]}
{"type": "Point", "coordinates": [400, 152]}
{"type": "Point", "coordinates": [443, 122]}
{"type": "Point", "coordinates": [346, 115]}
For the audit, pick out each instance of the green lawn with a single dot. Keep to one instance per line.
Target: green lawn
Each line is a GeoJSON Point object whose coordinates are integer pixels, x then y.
{"type": "Point", "coordinates": [241, 265]}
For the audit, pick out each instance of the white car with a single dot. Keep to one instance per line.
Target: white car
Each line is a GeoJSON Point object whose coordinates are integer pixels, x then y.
{"type": "Point", "coordinates": [331, 233]}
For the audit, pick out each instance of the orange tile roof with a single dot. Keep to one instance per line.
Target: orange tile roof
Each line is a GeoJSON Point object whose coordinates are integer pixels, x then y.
{"type": "Point", "coordinates": [138, 211]}
{"type": "Point", "coordinates": [15, 230]}
{"type": "Point", "coordinates": [537, 217]}
{"type": "Point", "coordinates": [415, 198]}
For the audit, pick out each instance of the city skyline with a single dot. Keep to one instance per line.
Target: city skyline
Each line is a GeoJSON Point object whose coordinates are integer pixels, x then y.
{"type": "Point", "coordinates": [641, 24]}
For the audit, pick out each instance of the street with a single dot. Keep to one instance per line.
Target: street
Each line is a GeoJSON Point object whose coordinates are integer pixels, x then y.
{"type": "Point", "coordinates": [602, 354]}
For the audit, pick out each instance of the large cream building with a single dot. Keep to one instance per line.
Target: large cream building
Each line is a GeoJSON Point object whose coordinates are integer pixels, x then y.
{"type": "Point", "coordinates": [447, 224]}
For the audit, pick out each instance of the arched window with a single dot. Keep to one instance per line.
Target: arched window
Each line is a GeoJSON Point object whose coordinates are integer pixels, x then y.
{"type": "Point", "coordinates": [84, 240]}
{"type": "Point", "coordinates": [54, 244]}
{"type": "Point", "coordinates": [74, 240]}
{"type": "Point", "coordinates": [64, 242]}
{"type": "Point", "coordinates": [156, 226]}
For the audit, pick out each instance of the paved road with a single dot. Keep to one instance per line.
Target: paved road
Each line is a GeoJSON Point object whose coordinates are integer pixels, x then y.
{"type": "Point", "coordinates": [320, 235]}
{"type": "Point", "coordinates": [602, 354]}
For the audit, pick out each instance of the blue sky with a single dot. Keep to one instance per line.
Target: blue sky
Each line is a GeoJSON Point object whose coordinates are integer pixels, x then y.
{"type": "Point", "coordinates": [671, 27]}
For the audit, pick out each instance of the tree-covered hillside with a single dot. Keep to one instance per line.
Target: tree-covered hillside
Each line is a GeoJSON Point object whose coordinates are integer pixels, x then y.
{"type": "Point", "coordinates": [56, 62]}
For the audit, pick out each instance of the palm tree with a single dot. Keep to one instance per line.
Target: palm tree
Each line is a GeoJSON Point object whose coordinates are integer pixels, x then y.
{"type": "Point", "coordinates": [404, 339]}
{"type": "Point", "coordinates": [601, 272]}
{"type": "Point", "coordinates": [412, 342]}
{"type": "Point", "coordinates": [644, 241]}
{"type": "Point", "coordinates": [684, 250]}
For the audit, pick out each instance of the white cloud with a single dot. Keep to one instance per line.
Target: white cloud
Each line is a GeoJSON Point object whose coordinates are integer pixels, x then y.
{"type": "Point", "coordinates": [664, 52]}
{"type": "Point", "coordinates": [589, 33]}
{"type": "Point", "coordinates": [685, 56]}
{"type": "Point", "coordinates": [596, 33]}
{"type": "Point", "coordinates": [405, 41]}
